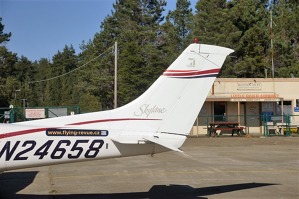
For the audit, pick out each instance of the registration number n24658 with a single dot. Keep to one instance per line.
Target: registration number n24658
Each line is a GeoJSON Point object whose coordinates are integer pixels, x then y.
{"type": "Point", "coordinates": [64, 148]}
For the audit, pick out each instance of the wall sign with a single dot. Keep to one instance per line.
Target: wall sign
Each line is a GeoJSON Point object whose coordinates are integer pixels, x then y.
{"type": "Point", "coordinates": [245, 86]}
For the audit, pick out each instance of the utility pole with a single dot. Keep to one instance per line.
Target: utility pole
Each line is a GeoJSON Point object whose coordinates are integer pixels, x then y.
{"type": "Point", "coordinates": [271, 36]}
{"type": "Point", "coordinates": [15, 98]}
{"type": "Point", "coordinates": [115, 75]}
{"type": "Point", "coordinates": [24, 105]}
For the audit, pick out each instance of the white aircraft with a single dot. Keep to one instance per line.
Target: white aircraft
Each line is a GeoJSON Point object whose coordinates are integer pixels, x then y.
{"type": "Point", "coordinates": [159, 120]}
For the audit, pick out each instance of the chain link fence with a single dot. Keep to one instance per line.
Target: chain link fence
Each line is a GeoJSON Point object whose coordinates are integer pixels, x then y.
{"type": "Point", "coordinates": [265, 125]}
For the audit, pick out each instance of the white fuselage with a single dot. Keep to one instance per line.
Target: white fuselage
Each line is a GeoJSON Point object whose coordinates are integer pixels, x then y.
{"type": "Point", "coordinates": [40, 146]}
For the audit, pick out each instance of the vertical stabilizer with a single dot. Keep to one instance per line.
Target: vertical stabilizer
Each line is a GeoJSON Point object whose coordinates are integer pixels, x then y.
{"type": "Point", "coordinates": [169, 107]}
{"type": "Point", "coordinates": [175, 99]}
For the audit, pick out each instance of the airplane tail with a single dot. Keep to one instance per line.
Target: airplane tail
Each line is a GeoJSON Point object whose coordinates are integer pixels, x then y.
{"type": "Point", "coordinates": [165, 113]}
{"type": "Point", "coordinates": [170, 106]}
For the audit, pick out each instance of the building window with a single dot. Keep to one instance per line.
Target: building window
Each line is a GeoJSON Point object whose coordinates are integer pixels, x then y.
{"type": "Point", "coordinates": [287, 107]}
{"type": "Point", "coordinates": [219, 111]}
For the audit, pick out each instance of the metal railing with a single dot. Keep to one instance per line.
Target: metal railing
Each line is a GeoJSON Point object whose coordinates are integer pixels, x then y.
{"type": "Point", "coordinates": [258, 124]}
{"type": "Point", "coordinates": [280, 125]}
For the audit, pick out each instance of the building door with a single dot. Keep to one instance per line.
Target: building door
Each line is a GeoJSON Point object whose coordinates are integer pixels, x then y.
{"type": "Point", "coordinates": [219, 111]}
{"type": "Point", "coordinates": [253, 117]}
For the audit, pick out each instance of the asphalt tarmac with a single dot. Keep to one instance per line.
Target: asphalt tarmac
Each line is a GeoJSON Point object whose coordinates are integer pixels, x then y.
{"type": "Point", "coordinates": [221, 167]}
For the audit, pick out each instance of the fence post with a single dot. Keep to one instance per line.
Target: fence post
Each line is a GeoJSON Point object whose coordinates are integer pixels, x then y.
{"type": "Point", "coordinates": [265, 126]}
{"type": "Point", "coordinates": [12, 115]}
{"type": "Point", "coordinates": [288, 121]}
{"type": "Point", "coordinates": [208, 133]}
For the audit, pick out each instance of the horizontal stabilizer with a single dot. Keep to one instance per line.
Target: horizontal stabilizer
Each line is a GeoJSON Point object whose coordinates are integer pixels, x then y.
{"type": "Point", "coordinates": [125, 140]}
{"type": "Point", "coordinates": [157, 141]}
{"type": "Point", "coordinates": [143, 140]}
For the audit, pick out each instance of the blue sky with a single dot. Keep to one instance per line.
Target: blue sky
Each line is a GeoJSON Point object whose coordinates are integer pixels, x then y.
{"type": "Point", "coordinates": [42, 27]}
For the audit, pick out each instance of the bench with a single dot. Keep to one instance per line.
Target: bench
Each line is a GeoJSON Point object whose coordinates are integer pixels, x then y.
{"type": "Point", "coordinates": [281, 128]}
{"type": "Point", "coordinates": [294, 128]}
{"type": "Point", "coordinates": [272, 128]}
{"type": "Point", "coordinates": [232, 130]}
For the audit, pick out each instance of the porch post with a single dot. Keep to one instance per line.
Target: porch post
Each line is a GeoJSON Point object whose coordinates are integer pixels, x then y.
{"type": "Point", "coordinates": [239, 119]}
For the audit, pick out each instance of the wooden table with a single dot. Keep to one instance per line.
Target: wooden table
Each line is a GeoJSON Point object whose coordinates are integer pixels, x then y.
{"type": "Point", "coordinates": [221, 125]}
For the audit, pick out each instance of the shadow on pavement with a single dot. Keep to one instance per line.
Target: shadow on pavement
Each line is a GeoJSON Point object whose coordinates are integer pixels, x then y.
{"type": "Point", "coordinates": [13, 182]}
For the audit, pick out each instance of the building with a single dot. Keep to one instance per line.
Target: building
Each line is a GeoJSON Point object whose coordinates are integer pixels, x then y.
{"type": "Point", "coordinates": [249, 101]}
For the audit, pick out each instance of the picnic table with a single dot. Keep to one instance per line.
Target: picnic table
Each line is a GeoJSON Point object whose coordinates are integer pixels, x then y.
{"type": "Point", "coordinates": [224, 126]}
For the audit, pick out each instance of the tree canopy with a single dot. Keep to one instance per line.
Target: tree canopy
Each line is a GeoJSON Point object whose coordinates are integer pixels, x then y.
{"type": "Point", "coordinates": [149, 39]}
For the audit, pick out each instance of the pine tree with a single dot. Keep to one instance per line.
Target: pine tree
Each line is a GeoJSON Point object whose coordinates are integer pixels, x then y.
{"type": "Point", "coordinates": [251, 18]}
{"type": "Point", "coordinates": [8, 83]}
{"type": "Point", "coordinates": [61, 88]}
{"type": "Point", "coordinates": [285, 38]}
{"type": "Point", "coordinates": [177, 29]}
{"type": "Point", "coordinates": [135, 25]}
{"type": "Point", "coordinates": [141, 53]}
{"type": "Point", "coordinates": [4, 37]}
{"type": "Point", "coordinates": [214, 24]}
{"type": "Point", "coordinates": [40, 87]}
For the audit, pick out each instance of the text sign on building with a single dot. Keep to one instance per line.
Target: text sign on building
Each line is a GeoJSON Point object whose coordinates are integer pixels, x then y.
{"type": "Point", "coordinates": [35, 113]}
{"type": "Point", "coordinates": [245, 86]}
{"type": "Point", "coordinates": [254, 97]}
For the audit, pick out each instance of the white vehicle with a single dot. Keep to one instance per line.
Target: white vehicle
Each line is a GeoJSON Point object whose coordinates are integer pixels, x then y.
{"type": "Point", "coordinates": [159, 120]}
